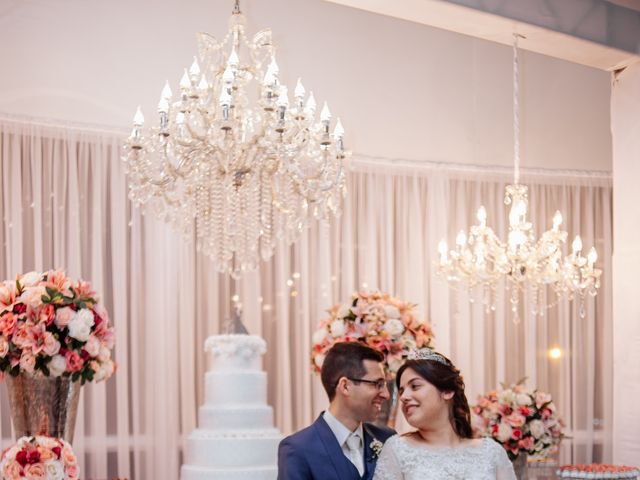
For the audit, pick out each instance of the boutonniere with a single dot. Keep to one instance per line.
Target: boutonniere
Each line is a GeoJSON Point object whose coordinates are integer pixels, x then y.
{"type": "Point", "coordinates": [376, 448]}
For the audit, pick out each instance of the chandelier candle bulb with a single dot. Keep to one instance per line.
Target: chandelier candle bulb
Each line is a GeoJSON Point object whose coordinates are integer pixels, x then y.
{"type": "Point", "coordinates": [576, 246]}
{"type": "Point", "coordinates": [557, 220]}
{"type": "Point", "coordinates": [194, 71]}
{"type": "Point", "coordinates": [592, 256]}
{"type": "Point", "coordinates": [310, 107]}
{"type": "Point", "coordinates": [482, 216]}
{"type": "Point", "coordinates": [185, 83]}
{"type": "Point", "coordinates": [443, 249]}
{"type": "Point", "coordinates": [233, 61]}
{"type": "Point", "coordinates": [461, 239]}
{"type": "Point", "coordinates": [166, 91]}
{"type": "Point", "coordinates": [138, 118]}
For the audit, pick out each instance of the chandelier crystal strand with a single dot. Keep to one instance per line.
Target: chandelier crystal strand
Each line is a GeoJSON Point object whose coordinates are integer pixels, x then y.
{"type": "Point", "coordinates": [481, 260]}
{"type": "Point", "coordinates": [234, 159]}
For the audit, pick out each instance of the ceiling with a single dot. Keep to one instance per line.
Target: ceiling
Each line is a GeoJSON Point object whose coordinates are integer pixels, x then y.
{"type": "Point", "coordinates": [596, 33]}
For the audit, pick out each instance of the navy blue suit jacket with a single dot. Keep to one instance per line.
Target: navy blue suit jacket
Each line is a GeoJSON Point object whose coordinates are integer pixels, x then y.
{"type": "Point", "coordinates": [314, 454]}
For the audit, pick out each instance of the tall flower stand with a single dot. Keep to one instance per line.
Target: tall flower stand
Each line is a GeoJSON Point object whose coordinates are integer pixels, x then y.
{"type": "Point", "coordinates": [43, 405]}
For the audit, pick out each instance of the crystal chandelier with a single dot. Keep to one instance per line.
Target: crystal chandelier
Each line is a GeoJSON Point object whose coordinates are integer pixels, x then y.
{"type": "Point", "coordinates": [232, 159]}
{"type": "Point", "coordinates": [481, 259]}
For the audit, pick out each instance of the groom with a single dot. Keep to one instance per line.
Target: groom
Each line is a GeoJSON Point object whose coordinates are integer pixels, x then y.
{"type": "Point", "coordinates": [339, 445]}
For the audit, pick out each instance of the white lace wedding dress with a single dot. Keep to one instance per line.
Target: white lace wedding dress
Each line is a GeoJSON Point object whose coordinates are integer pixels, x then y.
{"type": "Point", "coordinates": [402, 458]}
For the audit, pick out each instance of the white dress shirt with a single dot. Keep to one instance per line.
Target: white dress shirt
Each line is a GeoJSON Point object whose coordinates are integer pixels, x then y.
{"type": "Point", "coordinates": [342, 434]}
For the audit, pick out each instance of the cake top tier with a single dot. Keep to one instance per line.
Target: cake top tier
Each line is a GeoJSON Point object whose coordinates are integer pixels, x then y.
{"type": "Point", "coordinates": [235, 351]}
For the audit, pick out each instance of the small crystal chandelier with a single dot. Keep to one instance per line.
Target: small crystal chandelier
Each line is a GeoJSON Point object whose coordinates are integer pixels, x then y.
{"type": "Point", "coordinates": [481, 259]}
{"type": "Point", "coordinates": [241, 167]}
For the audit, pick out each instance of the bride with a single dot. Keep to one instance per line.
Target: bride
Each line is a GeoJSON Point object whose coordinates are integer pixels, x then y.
{"type": "Point", "coordinates": [431, 392]}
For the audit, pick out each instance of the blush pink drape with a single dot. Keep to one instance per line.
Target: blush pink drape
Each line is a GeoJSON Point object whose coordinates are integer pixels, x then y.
{"type": "Point", "coordinates": [64, 205]}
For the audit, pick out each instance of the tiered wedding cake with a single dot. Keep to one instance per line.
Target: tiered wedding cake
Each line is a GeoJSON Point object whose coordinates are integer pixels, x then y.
{"type": "Point", "coordinates": [236, 439]}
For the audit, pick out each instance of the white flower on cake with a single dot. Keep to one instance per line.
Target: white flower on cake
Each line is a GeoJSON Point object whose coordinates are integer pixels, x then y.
{"type": "Point", "coordinates": [235, 344]}
{"type": "Point", "coordinates": [393, 327]}
{"type": "Point", "coordinates": [523, 399]}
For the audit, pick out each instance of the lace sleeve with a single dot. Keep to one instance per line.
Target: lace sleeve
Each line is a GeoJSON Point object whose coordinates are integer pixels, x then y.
{"type": "Point", "coordinates": [504, 467]}
{"type": "Point", "coordinates": [388, 466]}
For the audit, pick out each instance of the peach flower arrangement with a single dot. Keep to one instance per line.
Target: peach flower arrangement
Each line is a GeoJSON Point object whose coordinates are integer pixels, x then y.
{"type": "Point", "coordinates": [377, 319]}
{"type": "Point", "coordinates": [53, 326]}
{"type": "Point", "coordinates": [39, 458]}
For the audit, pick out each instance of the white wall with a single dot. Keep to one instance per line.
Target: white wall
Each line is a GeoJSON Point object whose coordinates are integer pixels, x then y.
{"type": "Point", "coordinates": [625, 109]}
{"type": "Point", "coordinates": [403, 90]}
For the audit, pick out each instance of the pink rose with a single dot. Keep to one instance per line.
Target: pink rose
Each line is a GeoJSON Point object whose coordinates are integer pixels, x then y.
{"type": "Point", "coordinates": [74, 361]}
{"type": "Point", "coordinates": [23, 336]}
{"type": "Point", "coordinates": [11, 470]}
{"type": "Point", "coordinates": [71, 472]}
{"type": "Point", "coordinates": [516, 420]}
{"type": "Point", "coordinates": [51, 346]}
{"type": "Point", "coordinates": [68, 457]}
{"type": "Point", "coordinates": [526, 443]}
{"type": "Point", "coordinates": [4, 347]}
{"type": "Point", "coordinates": [64, 316]}
{"type": "Point", "coordinates": [516, 434]}
{"type": "Point", "coordinates": [35, 471]}
{"type": "Point", "coordinates": [57, 280]}
{"type": "Point", "coordinates": [8, 324]}
{"type": "Point", "coordinates": [27, 361]}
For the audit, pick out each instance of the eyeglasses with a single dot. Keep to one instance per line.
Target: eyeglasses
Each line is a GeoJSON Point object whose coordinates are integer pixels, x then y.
{"type": "Point", "coordinates": [379, 384]}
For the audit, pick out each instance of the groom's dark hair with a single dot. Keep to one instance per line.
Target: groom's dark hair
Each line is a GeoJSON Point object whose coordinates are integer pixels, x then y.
{"type": "Point", "coordinates": [345, 359]}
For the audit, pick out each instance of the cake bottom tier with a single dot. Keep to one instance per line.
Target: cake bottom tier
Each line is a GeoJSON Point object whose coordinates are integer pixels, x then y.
{"type": "Point", "coordinates": [235, 450]}
{"type": "Point", "coordinates": [190, 472]}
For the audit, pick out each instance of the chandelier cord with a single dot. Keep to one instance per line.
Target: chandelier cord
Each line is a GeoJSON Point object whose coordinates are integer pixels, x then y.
{"type": "Point", "coordinates": [516, 111]}
{"type": "Point", "coordinates": [236, 8]}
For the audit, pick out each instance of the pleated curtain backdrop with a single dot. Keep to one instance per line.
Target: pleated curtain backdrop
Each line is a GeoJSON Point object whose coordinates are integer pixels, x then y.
{"type": "Point", "coordinates": [64, 205]}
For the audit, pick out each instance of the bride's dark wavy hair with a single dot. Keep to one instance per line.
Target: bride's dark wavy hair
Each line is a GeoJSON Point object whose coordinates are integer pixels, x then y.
{"type": "Point", "coordinates": [446, 378]}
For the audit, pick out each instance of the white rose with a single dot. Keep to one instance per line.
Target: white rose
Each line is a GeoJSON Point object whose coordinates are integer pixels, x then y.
{"type": "Point", "coordinates": [104, 372]}
{"type": "Point", "coordinates": [54, 470]}
{"type": "Point", "coordinates": [391, 312]}
{"type": "Point", "coordinates": [344, 311]}
{"type": "Point", "coordinates": [504, 431]}
{"type": "Point", "coordinates": [337, 328]}
{"type": "Point", "coordinates": [32, 296]}
{"type": "Point", "coordinates": [319, 336]}
{"type": "Point", "coordinates": [319, 360]}
{"type": "Point", "coordinates": [523, 399]}
{"type": "Point", "coordinates": [537, 428]}
{"type": "Point", "coordinates": [104, 354]}
{"type": "Point", "coordinates": [29, 279]}
{"type": "Point", "coordinates": [79, 330]}
{"type": "Point", "coordinates": [506, 396]}
{"type": "Point", "coordinates": [393, 327]}
{"type": "Point", "coordinates": [92, 346]}
{"type": "Point", "coordinates": [57, 365]}
{"type": "Point", "coordinates": [86, 316]}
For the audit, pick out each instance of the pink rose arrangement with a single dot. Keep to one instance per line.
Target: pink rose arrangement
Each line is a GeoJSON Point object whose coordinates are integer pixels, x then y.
{"type": "Point", "coordinates": [376, 319]}
{"type": "Point", "coordinates": [54, 326]}
{"type": "Point", "coordinates": [521, 421]}
{"type": "Point", "coordinates": [39, 458]}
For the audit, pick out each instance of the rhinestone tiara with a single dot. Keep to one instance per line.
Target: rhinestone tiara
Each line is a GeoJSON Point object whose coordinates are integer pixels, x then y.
{"type": "Point", "coordinates": [426, 354]}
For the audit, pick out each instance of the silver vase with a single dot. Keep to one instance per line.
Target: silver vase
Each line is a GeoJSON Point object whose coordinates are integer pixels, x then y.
{"type": "Point", "coordinates": [43, 405]}
{"type": "Point", "coordinates": [520, 466]}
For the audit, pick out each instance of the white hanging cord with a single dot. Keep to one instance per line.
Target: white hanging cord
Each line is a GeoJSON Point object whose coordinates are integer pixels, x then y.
{"type": "Point", "coordinates": [516, 111]}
